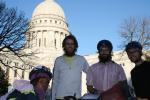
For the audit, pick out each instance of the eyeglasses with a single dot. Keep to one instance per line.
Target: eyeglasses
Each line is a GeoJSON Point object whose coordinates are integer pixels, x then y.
{"type": "Point", "coordinates": [132, 51]}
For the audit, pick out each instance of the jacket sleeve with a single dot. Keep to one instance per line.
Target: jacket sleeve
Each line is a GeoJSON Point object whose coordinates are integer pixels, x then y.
{"type": "Point", "coordinates": [85, 65]}
{"type": "Point", "coordinates": [121, 74]}
{"type": "Point", "coordinates": [89, 78]}
{"type": "Point", "coordinates": [55, 80]}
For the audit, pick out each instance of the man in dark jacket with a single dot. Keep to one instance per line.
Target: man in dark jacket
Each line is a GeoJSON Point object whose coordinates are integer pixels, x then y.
{"type": "Point", "coordinates": [140, 74]}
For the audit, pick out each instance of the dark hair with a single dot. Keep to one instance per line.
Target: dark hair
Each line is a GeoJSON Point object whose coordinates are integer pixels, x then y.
{"type": "Point", "coordinates": [133, 44]}
{"type": "Point", "coordinates": [104, 43]}
{"type": "Point", "coordinates": [72, 37]}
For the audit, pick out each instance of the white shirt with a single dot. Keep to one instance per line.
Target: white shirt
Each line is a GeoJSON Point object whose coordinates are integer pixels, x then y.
{"type": "Point", "coordinates": [104, 76]}
{"type": "Point", "coordinates": [67, 77]}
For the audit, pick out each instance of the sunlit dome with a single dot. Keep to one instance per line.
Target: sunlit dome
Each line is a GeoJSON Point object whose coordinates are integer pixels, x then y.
{"type": "Point", "coordinates": [48, 7]}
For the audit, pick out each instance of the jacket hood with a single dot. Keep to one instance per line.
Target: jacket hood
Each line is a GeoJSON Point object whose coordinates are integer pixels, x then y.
{"type": "Point", "coordinates": [23, 85]}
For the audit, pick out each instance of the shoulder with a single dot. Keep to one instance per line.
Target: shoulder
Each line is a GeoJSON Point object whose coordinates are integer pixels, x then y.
{"type": "Point", "coordinates": [146, 62]}
{"type": "Point", "coordinates": [59, 58]}
{"type": "Point", "coordinates": [94, 66]}
{"type": "Point", "coordinates": [17, 95]}
{"type": "Point", "coordinates": [115, 64]}
{"type": "Point", "coordinates": [144, 66]}
{"type": "Point", "coordinates": [22, 85]}
{"type": "Point", "coordinates": [80, 58]}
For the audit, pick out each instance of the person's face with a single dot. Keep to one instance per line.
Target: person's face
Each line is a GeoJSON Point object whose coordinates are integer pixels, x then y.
{"type": "Point", "coordinates": [104, 54]}
{"type": "Point", "coordinates": [134, 55]}
{"type": "Point", "coordinates": [69, 47]}
{"type": "Point", "coordinates": [43, 83]}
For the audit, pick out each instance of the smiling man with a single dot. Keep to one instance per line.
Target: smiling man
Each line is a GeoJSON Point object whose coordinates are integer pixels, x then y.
{"type": "Point", "coordinates": [140, 74]}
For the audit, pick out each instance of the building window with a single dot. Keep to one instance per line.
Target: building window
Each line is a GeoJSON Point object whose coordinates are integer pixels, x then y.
{"type": "Point", "coordinates": [16, 64]}
{"type": "Point", "coordinates": [9, 62]}
{"type": "Point", "coordinates": [40, 21]}
{"type": "Point", "coordinates": [15, 73]}
{"type": "Point", "coordinates": [56, 32]}
{"type": "Point", "coordinates": [50, 21]}
{"type": "Point", "coordinates": [36, 42]}
{"type": "Point", "coordinates": [123, 64]}
{"type": "Point", "coordinates": [45, 42]}
{"type": "Point", "coordinates": [65, 35]}
{"type": "Point", "coordinates": [39, 42]}
{"type": "Point", "coordinates": [60, 22]}
{"type": "Point", "coordinates": [45, 20]}
{"type": "Point", "coordinates": [23, 74]}
{"type": "Point", "coordinates": [30, 67]}
{"type": "Point", "coordinates": [55, 21]}
{"type": "Point", "coordinates": [55, 43]}
{"type": "Point", "coordinates": [61, 33]}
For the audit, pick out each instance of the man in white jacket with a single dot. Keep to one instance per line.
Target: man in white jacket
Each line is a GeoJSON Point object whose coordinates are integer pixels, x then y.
{"type": "Point", "coordinates": [68, 71]}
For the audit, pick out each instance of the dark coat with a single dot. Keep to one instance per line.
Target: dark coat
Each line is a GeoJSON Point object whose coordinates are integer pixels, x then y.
{"type": "Point", "coordinates": [17, 95]}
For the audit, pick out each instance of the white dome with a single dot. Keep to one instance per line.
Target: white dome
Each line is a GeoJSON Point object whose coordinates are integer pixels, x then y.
{"type": "Point", "coordinates": [48, 7]}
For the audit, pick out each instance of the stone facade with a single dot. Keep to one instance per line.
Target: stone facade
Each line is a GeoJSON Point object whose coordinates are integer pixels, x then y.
{"type": "Point", "coordinates": [48, 29]}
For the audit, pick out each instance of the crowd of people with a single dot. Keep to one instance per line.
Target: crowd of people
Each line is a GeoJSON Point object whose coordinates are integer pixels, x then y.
{"type": "Point", "coordinates": [105, 80]}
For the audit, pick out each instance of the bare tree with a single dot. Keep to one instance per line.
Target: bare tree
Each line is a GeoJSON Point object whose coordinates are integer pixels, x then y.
{"type": "Point", "coordinates": [134, 29]}
{"type": "Point", "coordinates": [13, 35]}
{"type": "Point", "coordinates": [3, 82]}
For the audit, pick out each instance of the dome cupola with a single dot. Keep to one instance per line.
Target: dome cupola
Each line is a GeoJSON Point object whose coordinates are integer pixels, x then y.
{"type": "Point", "coordinates": [48, 7]}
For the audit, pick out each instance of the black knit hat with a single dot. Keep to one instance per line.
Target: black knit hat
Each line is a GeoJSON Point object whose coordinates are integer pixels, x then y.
{"type": "Point", "coordinates": [133, 44]}
{"type": "Point", "coordinates": [104, 43]}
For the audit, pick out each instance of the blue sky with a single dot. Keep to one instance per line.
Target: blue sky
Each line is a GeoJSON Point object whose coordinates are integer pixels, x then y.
{"type": "Point", "coordinates": [92, 20]}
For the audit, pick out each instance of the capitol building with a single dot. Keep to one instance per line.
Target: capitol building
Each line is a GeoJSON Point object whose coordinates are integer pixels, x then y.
{"type": "Point", "coordinates": [48, 29]}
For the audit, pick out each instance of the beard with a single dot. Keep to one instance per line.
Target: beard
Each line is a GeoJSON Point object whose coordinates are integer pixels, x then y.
{"type": "Point", "coordinates": [104, 58]}
{"type": "Point", "coordinates": [70, 53]}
